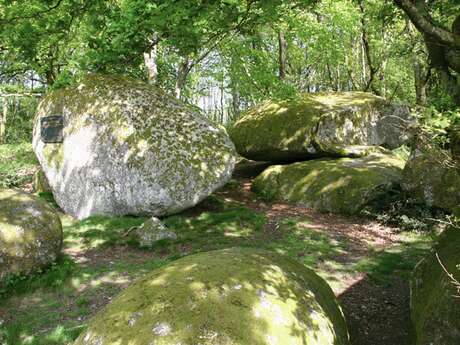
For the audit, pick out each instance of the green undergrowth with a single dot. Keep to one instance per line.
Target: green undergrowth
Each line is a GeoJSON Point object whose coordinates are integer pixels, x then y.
{"type": "Point", "coordinates": [53, 307]}
{"type": "Point", "coordinates": [17, 165]}
{"type": "Point", "coordinates": [398, 209]}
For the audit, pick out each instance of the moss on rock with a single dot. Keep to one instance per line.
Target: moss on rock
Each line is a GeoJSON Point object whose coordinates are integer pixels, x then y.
{"type": "Point", "coordinates": [129, 148]}
{"type": "Point", "coordinates": [319, 125]}
{"type": "Point", "coordinates": [454, 136]}
{"type": "Point", "coordinates": [435, 306]}
{"type": "Point", "coordinates": [342, 185]}
{"type": "Point", "coordinates": [30, 233]}
{"type": "Point", "coordinates": [225, 297]}
{"type": "Point", "coordinates": [40, 182]}
{"type": "Point", "coordinates": [432, 177]}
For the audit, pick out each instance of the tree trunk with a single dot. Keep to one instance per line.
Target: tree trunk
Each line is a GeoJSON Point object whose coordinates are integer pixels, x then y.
{"type": "Point", "coordinates": [420, 81]}
{"type": "Point", "coordinates": [367, 50]}
{"type": "Point", "coordinates": [182, 73]}
{"type": "Point", "coordinates": [282, 53]}
{"type": "Point", "coordinates": [3, 120]}
{"type": "Point", "coordinates": [150, 61]}
{"type": "Point", "coordinates": [50, 76]}
{"type": "Point", "coordinates": [443, 46]}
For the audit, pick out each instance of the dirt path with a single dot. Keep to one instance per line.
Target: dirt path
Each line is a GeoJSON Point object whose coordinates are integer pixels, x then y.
{"type": "Point", "coordinates": [376, 313]}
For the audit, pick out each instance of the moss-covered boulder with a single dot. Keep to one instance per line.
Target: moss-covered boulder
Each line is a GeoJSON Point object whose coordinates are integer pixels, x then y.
{"type": "Point", "coordinates": [40, 182]}
{"type": "Point", "coordinates": [319, 125]}
{"type": "Point", "coordinates": [435, 302]}
{"type": "Point", "coordinates": [454, 136]}
{"type": "Point", "coordinates": [150, 232]}
{"type": "Point", "coordinates": [225, 297]}
{"type": "Point", "coordinates": [129, 148]}
{"type": "Point", "coordinates": [432, 177]}
{"type": "Point", "coordinates": [30, 233]}
{"type": "Point", "coordinates": [342, 185]}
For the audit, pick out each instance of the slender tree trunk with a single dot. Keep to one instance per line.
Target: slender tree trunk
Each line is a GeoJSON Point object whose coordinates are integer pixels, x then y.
{"type": "Point", "coordinates": [3, 120]}
{"type": "Point", "coordinates": [282, 54]}
{"type": "Point", "coordinates": [182, 74]}
{"type": "Point", "coordinates": [420, 81]}
{"type": "Point", "coordinates": [50, 78]}
{"type": "Point", "coordinates": [150, 61]}
{"type": "Point", "coordinates": [366, 49]}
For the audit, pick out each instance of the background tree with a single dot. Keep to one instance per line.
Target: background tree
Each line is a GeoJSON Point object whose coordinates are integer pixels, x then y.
{"type": "Point", "coordinates": [443, 44]}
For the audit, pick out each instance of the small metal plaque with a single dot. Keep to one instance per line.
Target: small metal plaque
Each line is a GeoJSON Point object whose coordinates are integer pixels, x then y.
{"type": "Point", "coordinates": [52, 128]}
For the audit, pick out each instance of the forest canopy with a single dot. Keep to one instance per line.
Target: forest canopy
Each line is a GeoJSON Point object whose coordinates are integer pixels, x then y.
{"type": "Point", "coordinates": [237, 52]}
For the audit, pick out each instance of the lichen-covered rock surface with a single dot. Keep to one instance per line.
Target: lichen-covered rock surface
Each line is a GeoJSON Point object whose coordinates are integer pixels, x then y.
{"type": "Point", "coordinates": [319, 125]}
{"type": "Point", "coordinates": [342, 185]}
{"type": "Point", "coordinates": [435, 302]}
{"type": "Point", "coordinates": [225, 297]}
{"type": "Point", "coordinates": [432, 177]}
{"type": "Point", "coordinates": [30, 233]}
{"type": "Point", "coordinates": [152, 231]}
{"type": "Point", "coordinates": [454, 136]}
{"type": "Point", "coordinates": [129, 148]}
{"type": "Point", "coordinates": [41, 184]}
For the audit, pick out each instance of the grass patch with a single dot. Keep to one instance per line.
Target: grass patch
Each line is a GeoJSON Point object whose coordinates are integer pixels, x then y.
{"type": "Point", "coordinates": [98, 231]}
{"type": "Point", "coordinates": [17, 165]}
{"type": "Point", "coordinates": [399, 259]}
{"type": "Point", "coordinates": [52, 277]}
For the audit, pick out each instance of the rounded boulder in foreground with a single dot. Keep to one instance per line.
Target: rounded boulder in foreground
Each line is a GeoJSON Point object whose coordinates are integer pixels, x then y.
{"type": "Point", "coordinates": [435, 302]}
{"type": "Point", "coordinates": [30, 233]}
{"type": "Point", "coordinates": [129, 148]}
{"type": "Point", "coordinates": [224, 297]}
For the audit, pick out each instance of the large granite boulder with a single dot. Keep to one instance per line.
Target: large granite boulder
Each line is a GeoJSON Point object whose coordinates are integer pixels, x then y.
{"type": "Point", "coordinates": [231, 296]}
{"type": "Point", "coordinates": [30, 233]}
{"type": "Point", "coordinates": [342, 185]}
{"type": "Point", "coordinates": [129, 148]}
{"type": "Point", "coordinates": [432, 177]}
{"type": "Point", "coordinates": [435, 296]}
{"type": "Point", "coordinates": [319, 125]}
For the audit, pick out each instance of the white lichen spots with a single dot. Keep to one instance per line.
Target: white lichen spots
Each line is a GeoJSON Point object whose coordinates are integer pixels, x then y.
{"type": "Point", "coordinates": [279, 318]}
{"type": "Point", "coordinates": [162, 329]}
{"type": "Point", "coordinates": [271, 340]}
{"type": "Point", "coordinates": [87, 337]}
{"type": "Point", "coordinates": [209, 335]}
{"type": "Point", "coordinates": [134, 317]}
{"type": "Point", "coordinates": [149, 148]}
{"type": "Point", "coordinates": [33, 211]}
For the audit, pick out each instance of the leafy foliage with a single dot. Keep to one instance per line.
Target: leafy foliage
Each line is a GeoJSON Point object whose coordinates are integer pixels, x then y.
{"type": "Point", "coordinates": [17, 165]}
{"type": "Point", "coordinates": [397, 209]}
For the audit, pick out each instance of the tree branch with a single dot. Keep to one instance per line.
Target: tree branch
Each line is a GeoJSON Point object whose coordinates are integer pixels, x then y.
{"type": "Point", "coordinates": [425, 26]}
{"type": "Point", "coordinates": [32, 16]}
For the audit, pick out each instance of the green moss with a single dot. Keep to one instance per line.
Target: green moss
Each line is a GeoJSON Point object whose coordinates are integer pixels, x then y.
{"type": "Point", "coordinates": [232, 296]}
{"type": "Point", "coordinates": [17, 165]}
{"type": "Point", "coordinates": [343, 185]}
{"type": "Point", "coordinates": [454, 136]}
{"type": "Point", "coordinates": [127, 114]}
{"type": "Point", "coordinates": [30, 233]}
{"type": "Point", "coordinates": [432, 177]}
{"type": "Point", "coordinates": [287, 130]}
{"type": "Point", "coordinates": [41, 184]}
{"type": "Point", "coordinates": [435, 306]}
